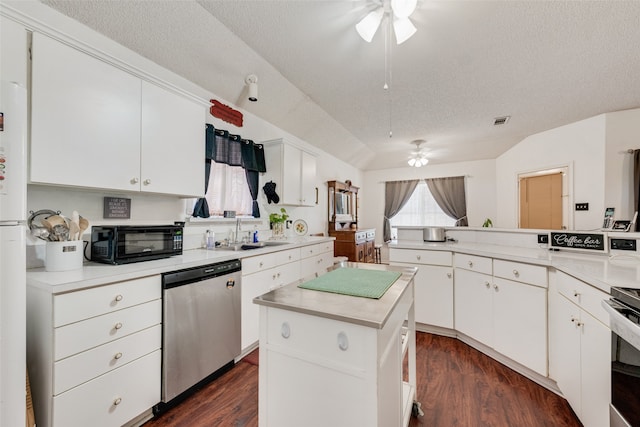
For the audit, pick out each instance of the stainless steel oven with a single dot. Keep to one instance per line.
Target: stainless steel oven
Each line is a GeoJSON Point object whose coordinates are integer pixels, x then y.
{"type": "Point", "coordinates": [624, 311]}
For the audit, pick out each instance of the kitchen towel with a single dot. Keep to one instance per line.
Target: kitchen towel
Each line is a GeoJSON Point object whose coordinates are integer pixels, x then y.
{"type": "Point", "coordinates": [356, 282]}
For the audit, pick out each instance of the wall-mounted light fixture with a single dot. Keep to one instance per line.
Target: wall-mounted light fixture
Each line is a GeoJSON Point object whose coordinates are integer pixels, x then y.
{"type": "Point", "coordinates": [252, 82]}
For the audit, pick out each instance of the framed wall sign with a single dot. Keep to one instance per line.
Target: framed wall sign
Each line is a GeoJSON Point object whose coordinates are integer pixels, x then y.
{"type": "Point", "coordinates": [116, 207]}
{"type": "Point", "coordinates": [590, 242]}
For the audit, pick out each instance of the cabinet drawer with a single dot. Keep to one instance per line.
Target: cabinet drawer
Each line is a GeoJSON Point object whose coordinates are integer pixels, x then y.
{"type": "Point", "coordinates": [87, 365]}
{"type": "Point", "coordinates": [80, 336]}
{"type": "Point", "coordinates": [310, 267]}
{"type": "Point", "coordinates": [473, 263]}
{"type": "Point", "coordinates": [318, 339]}
{"type": "Point", "coordinates": [290, 255]}
{"type": "Point", "coordinates": [259, 263]}
{"type": "Point", "coordinates": [76, 306]}
{"type": "Point", "coordinates": [418, 256]}
{"type": "Point", "coordinates": [584, 295]}
{"type": "Point", "coordinates": [525, 273]}
{"type": "Point", "coordinates": [318, 248]}
{"type": "Point", "coordinates": [111, 399]}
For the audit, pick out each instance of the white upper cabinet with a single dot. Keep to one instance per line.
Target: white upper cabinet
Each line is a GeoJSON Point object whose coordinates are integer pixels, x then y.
{"type": "Point", "coordinates": [172, 159]}
{"type": "Point", "coordinates": [94, 125]}
{"type": "Point", "coordinates": [293, 170]}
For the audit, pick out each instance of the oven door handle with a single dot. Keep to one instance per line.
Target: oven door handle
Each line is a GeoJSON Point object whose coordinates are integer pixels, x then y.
{"type": "Point", "coordinates": [623, 327]}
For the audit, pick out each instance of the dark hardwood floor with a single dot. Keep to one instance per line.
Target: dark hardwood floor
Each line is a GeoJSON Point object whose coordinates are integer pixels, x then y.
{"type": "Point", "coordinates": [457, 386]}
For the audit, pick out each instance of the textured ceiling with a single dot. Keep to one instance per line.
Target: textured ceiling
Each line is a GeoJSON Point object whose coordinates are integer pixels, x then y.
{"type": "Point", "coordinates": [544, 63]}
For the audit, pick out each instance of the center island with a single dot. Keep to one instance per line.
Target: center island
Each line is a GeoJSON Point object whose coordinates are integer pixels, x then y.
{"type": "Point", "coordinates": [329, 358]}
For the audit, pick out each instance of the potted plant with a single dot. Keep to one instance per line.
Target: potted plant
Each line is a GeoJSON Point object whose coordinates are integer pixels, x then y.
{"type": "Point", "coordinates": [277, 221]}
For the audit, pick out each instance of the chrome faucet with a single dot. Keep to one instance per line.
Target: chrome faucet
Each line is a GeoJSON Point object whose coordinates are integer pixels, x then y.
{"type": "Point", "coordinates": [237, 236]}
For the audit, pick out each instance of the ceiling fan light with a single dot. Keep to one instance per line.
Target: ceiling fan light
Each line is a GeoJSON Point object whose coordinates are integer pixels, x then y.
{"type": "Point", "coordinates": [368, 26]}
{"type": "Point", "coordinates": [424, 161]}
{"type": "Point", "coordinates": [412, 162]}
{"type": "Point", "coordinates": [403, 8]}
{"type": "Point", "coordinates": [403, 29]}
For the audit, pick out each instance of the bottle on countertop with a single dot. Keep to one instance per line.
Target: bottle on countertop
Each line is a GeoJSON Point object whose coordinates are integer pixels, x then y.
{"type": "Point", "coordinates": [210, 238]}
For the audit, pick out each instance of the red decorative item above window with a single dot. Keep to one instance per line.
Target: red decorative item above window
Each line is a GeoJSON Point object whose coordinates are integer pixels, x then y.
{"type": "Point", "coordinates": [226, 113]}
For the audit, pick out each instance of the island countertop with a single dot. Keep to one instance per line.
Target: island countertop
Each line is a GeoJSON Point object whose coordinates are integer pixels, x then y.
{"type": "Point", "coordinates": [358, 310]}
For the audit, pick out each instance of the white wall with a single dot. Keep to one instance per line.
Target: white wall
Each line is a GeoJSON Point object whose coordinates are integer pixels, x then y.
{"type": "Point", "coordinates": [622, 134]}
{"type": "Point", "coordinates": [579, 145]}
{"type": "Point", "coordinates": [480, 189]}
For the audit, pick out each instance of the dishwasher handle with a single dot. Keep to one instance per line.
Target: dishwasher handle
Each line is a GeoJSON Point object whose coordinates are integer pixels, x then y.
{"type": "Point", "coordinates": [190, 275]}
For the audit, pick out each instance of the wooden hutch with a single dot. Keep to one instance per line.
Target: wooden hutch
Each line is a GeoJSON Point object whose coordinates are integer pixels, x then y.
{"type": "Point", "coordinates": [357, 244]}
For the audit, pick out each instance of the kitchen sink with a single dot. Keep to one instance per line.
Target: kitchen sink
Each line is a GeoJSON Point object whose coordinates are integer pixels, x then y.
{"type": "Point", "coordinates": [248, 246]}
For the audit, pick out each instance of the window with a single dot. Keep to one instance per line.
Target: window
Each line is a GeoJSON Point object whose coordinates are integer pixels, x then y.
{"type": "Point", "coordinates": [421, 210]}
{"type": "Point", "coordinates": [228, 190]}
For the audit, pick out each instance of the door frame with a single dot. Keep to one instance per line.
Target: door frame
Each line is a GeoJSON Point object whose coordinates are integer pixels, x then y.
{"type": "Point", "coordinates": [567, 190]}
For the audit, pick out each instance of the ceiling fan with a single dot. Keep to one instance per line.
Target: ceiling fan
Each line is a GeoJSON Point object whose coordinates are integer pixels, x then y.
{"type": "Point", "coordinates": [418, 158]}
{"type": "Point", "coordinates": [398, 10]}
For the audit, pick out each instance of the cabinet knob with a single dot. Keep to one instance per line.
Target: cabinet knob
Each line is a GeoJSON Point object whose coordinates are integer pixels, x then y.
{"type": "Point", "coordinates": [496, 288]}
{"type": "Point", "coordinates": [343, 341]}
{"type": "Point", "coordinates": [119, 297]}
{"type": "Point", "coordinates": [576, 294]}
{"type": "Point", "coordinates": [285, 330]}
{"type": "Point", "coordinates": [146, 182]}
{"type": "Point", "coordinates": [117, 401]}
{"type": "Point", "coordinates": [470, 264]}
{"type": "Point", "coordinates": [418, 257]}
{"type": "Point", "coordinates": [117, 356]}
{"type": "Point", "coordinates": [449, 275]}
{"type": "Point", "coordinates": [516, 273]}
{"type": "Point", "coordinates": [118, 325]}
{"type": "Point", "coordinates": [134, 180]}
{"type": "Point", "coordinates": [487, 284]}
{"type": "Point", "coordinates": [319, 261]}
{"type": "Point", "coordinates": [261, 264]}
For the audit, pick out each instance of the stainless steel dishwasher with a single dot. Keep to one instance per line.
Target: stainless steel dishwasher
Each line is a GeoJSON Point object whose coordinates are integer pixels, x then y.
{"type": "Point", "coordinates": [201, 326]}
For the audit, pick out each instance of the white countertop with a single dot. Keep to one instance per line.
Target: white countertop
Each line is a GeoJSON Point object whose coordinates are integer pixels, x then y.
{"type": "Point", "coordinates": [599, 270]}
{"type": "Point", "coordinates": [95, 274]}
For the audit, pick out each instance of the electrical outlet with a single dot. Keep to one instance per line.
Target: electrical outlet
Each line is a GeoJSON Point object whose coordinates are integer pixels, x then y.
{"type": "Point", "coordinates": [582, 206]}
{"type": "Point", "coordinates": [543, 238]}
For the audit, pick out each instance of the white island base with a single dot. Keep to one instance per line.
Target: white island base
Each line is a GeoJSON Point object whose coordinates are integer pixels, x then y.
{"type": "Point", "coordinates": [336, 360]}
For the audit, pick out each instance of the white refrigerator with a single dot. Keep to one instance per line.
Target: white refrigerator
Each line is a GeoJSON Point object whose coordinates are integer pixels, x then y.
{"type": "Point", "coordinates": [13, 209]}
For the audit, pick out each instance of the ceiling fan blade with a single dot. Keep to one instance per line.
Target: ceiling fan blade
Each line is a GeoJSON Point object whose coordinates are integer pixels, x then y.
{"type": "Point", "coordinates": [403, 8]}
{"type": "Point", "coordinates": [404, 29]}
{"type": "Point", "coordinates": [368, 26]}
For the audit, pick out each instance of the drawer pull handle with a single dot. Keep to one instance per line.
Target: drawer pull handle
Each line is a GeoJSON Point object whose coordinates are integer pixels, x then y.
{"type": "Point", "coordinates": [496, 288]}
{"type": "Point", "coordinates": [261, 264]}
{"type": "Point", "coordinates": [118, 356]}
{"type": "Point", "coordinates": [146, 182]}
{"type": "Point", "coordinates": [516, 273]}
{"type": "Point", "coordinates": [470, 264]}
{"type": "Point", "coordinates": [119, 297]}
{"type": "Point", "coordinates": [487, 284]}
{"type": "Point", "coordinates": [418, 257]}
{"type": "Point", "coordinates": [117, 401]}
{"type": "Point", "coordinates": [134, 180]}
{"type": "Point", "coordinates": [285, 330]}
{"type": "Point", "coordinates": [118, 325]}
{"type": "Point", "coordinates": [343, 341]}
{"type": "Point", "coordinates": [449, 275]}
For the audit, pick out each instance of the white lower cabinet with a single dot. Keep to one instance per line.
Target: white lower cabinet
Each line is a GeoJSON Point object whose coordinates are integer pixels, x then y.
{"type": "Point", "coordinates": [433, 284]}
{"type": "Point", "coordinates": [507, 315]}
{"type": "Point", "coordinates": [94, 355]}
{"type": "Point", "coordinates": [580, 348]}
{"type": "Point", "coordinates": [263, 273]}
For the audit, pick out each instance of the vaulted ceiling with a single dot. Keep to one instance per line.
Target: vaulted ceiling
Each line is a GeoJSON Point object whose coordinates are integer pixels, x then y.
{"type": "Point", "coordinates": [544, 63]}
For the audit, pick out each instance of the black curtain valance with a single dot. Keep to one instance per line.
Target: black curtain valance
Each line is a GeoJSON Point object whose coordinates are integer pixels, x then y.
{"type": "Point", "coordinates": [233, 150]}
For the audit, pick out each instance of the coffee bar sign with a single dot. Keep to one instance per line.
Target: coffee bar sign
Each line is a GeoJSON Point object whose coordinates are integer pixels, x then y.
{"type": "Point", "coordinates": [592, 242]}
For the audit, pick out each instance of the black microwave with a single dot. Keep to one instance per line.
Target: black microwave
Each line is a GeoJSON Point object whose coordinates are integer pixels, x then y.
{"type": "Point", "coordinates": [123, 244]}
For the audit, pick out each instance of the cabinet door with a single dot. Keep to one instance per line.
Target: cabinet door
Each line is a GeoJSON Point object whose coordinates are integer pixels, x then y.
{"type": "Point", "coordinates": [473, 305]}
{"type": "Point", "coordinates": [565, 350]}
{"type": "Point", "coordinates": [520, 323]}
{"type": "Point", "coordinates": [85, 120]}
{"type": "Point", "coordinates": [361, 252]}
{"type": "Point", "coordinates": [308, 177]}
{"type": "Point", "coordinates": [253, 285]}
{"type": "Point", "coordinates": [596, 371]}
{"type": "Point", "coordinates": [291, 178]}
{"type": "Point", "coordinates": [172, 143]}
